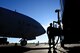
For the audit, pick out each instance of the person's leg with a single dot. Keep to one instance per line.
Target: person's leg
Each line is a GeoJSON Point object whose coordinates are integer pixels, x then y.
{"type": "Point", "coordinates": [49, 45]}
{"type": "Point", "coordinates": [54, 49]}
{"type": "Point", "coordinates": [49, 42]}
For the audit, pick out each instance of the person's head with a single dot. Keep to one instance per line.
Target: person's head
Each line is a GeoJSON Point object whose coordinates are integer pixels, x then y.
{"type": "Point", "coordinates": [51, 24]}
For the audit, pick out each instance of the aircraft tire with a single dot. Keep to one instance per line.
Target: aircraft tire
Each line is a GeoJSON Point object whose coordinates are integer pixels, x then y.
{"type": "Point", "coordinates": [23, 43]}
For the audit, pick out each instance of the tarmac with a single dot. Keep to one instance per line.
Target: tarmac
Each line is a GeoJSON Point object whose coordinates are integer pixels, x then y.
{"type": "Point", "coordinates": [41, 48]}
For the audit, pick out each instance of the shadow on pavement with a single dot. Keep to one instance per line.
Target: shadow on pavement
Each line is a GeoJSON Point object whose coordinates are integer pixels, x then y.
{"type": "Point", "coordinates": [18, 49]}
{"type": "Point", "coordinates": [13, 49]}
{"type": "Point", "coordinates": [74, 50]}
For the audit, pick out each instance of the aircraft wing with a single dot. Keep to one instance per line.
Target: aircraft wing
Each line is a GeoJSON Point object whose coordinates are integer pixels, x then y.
{"type": "Point", "coordinates": [14, 24]}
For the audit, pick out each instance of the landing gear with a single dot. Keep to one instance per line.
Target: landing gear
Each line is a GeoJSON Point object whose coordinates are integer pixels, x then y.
{"type": "Point", "coordinates": [23, 42]}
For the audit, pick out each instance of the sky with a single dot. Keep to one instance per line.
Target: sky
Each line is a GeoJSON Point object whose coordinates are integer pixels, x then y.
{"type": "Point", "coordinates": [42, 11]}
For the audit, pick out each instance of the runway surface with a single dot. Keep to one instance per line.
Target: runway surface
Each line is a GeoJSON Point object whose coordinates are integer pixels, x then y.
{"type": "Point", "coordinates": [41, 48]}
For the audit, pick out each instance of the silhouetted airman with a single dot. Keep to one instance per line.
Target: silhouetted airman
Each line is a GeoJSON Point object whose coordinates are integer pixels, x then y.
{"type": "Point", "coordinates": [50, 33]}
